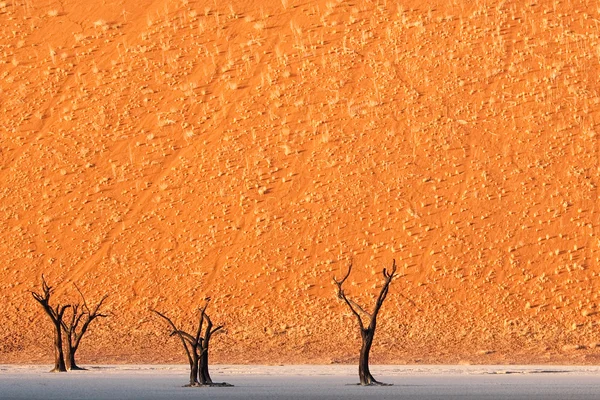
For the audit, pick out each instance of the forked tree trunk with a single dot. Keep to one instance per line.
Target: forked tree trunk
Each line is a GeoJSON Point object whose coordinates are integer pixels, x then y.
{"type": "Point", "coordinates": [367, 330]}
{"type": "Point", "coordinates": [75, 328]}
{"type": "Point", "coordinates": [196, 347]}
{"type": "Point", "coordinates": [205, 346]}
{"type": "Point", "coordinates": [56, 315]}
{"type": "Point", "coordinates": [72, 329]}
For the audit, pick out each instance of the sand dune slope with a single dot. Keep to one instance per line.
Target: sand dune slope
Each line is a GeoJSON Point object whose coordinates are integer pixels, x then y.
{"type": "Point", "coordinates": [164, 151]}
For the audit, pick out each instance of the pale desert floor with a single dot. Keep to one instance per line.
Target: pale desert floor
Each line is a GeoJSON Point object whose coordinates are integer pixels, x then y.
{"type": "Point", "coordinates": [305, 382]}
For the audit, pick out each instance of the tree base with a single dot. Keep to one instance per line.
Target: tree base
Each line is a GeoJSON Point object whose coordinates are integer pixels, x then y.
{"type": "Point", "coordinates": [76, 368]}
{"type": "Point", "coordinates": [221, 384]}
{"type": "Point", "coordinates": [57, 370]}
{"type": "Point", "coordinates": [374, 384]}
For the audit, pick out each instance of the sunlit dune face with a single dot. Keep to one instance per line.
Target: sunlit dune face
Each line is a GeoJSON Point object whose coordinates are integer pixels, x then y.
{"type": "Point", "coordinates": [164, 151]}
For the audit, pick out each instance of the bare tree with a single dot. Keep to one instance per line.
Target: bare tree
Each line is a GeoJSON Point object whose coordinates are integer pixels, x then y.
{"type": "Point", "coordinates": [75, 327]}
{"type": "Point", "coordinates": [196, 346]}
{"type": "Point", "coordinates": [367, 330]}
{"type": "Point", "coordinates": [205, 378]}
{"type": "Point", "coordinates": [56, 314]}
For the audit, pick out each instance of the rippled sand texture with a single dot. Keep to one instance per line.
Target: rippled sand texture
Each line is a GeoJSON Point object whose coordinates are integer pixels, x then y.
{"type": "Point", "coordinates": [163, 151]}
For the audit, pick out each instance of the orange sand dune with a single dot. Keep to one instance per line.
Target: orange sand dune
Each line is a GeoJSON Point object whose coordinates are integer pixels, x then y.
{"type": "Point", "coordinates": [163, 151]}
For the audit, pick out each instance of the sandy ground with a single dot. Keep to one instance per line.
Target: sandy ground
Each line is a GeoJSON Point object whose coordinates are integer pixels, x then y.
{"type": "Point", "coordinates": [305, 382]}
{"type": "Point", "coordinates": [161, 151]}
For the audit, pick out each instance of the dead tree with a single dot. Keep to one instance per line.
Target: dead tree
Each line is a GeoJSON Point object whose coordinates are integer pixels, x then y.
{"type": "Point", "coordinates": [367, 331]}
{"type": "Point", "coordinates": [205, 378]}
{"type": "Point", "coordinates": [56, 314]}
{"type": "Point", "coordinates": [75, 327]}
{"type": "Point", "coordinates": [196, 347]}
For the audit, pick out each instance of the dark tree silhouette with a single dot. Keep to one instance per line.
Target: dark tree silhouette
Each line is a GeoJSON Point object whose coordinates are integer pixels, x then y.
{"type": "Point", "coordinates": [367, 331]}
{"type": "Point", "coordinates": [75, 327]}
{"type": "Point", "coordinates": [197, 347]}
{"type": "Point", "coordinates": [205, 378]}
{"type": "Point", "coordinates": [56, 314]}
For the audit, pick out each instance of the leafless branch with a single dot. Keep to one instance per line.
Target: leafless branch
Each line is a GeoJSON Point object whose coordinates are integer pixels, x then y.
{"type": "Point", "coordinates": [175, 331]}
{"type": "Point", "coordinates": [350, 303]}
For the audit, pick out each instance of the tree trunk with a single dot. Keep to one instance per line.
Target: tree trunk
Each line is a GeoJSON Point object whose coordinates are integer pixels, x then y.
{"type": "Point", "coordinates": [368, 333]}
{"type": "Point", "coordinates": [196, 348]}
{"type": "Point", "coordinates": [204, 375]}
{"type": "Point", "coordinates": [59, 357]}
{"type": "Point", "coordinates": [70, 358]}
{"type": "Point", "coordinates": [194, 372]}
{"type": "Point", "coordinates": [363, 364]}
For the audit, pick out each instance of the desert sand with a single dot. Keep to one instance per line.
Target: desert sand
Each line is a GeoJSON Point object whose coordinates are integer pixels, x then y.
{"type": "Point", "coordinates": [163, 151]}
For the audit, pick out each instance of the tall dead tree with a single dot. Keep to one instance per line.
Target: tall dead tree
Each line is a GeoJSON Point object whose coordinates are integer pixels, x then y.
{"type": "Point", "coordinates": [205, 378]}
{"type": "Point", "coordinates": [197, 346]}
{"type": "Point", "coordinates": [56, 314]}
{"type": "Point", "coordinates": [367, 327]}
{"type": "Point", "coordinates": [75, 327]}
